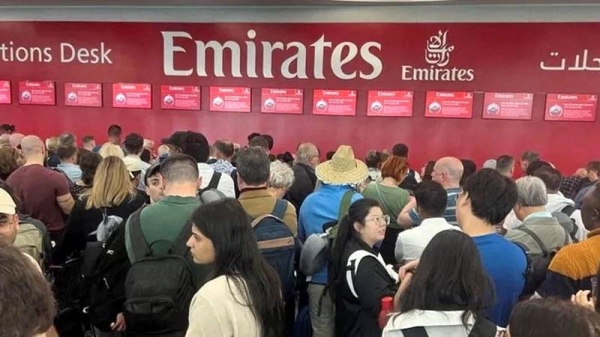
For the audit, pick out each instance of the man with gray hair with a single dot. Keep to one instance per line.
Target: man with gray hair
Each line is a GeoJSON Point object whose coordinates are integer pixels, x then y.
{"type": "Point", "coordinates": [447, 171]}
{"type": "Point", "coordinates": [281, 179]}
{"type": "Point", "coordinates": [540, 232]}
{"type": "Point", "coordinates": [253, 169]}
{"type": "Point", "coordinates": [305, 179]}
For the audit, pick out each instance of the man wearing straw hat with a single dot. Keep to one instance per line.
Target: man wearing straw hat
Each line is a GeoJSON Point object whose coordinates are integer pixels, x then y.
{"type": "Point", "coordinates": [337, 176]}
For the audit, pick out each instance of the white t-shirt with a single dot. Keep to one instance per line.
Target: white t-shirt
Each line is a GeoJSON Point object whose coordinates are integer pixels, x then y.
{"type": "Point", "coordinates": [412, 242]}
{"type": "Point", "coordinates": [225, 182]}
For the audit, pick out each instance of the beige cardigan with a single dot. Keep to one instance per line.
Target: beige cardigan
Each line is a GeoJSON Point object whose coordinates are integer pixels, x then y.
{"type": "Point", "coordinates": [216, 311]}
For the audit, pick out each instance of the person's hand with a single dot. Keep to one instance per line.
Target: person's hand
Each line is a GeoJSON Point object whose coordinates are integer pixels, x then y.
{"type": "Point", "coordinates": [408, 268]}
{"type": "Point", "coordinates": [583, 299]}
{"type": "Point", "coordinates": [119, 324]}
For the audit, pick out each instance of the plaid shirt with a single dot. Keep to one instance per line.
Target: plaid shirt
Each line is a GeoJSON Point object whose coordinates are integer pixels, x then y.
{"type": "Point", "coordinates": [570, 186]}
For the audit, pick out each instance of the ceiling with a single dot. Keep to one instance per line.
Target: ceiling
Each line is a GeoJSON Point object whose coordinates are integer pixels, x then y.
{"type": "Point", "coordinates": [176, 3]}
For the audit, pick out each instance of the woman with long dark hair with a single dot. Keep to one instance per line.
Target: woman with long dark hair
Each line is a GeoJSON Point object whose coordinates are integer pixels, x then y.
{"type": "Point", "coordinates": [447, 293]}
{"type": "Point", "coordinates": [358, 278]}
{"type": "Point", "coordinates": [243, 296]}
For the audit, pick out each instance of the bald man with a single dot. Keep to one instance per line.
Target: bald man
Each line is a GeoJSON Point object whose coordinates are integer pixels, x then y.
{"type": "Point", "coordinates": [15, 139]}
{"type": "Point", "coordinates": [44, 193]}
{"type": "Point", "coordinates": [447, 171]}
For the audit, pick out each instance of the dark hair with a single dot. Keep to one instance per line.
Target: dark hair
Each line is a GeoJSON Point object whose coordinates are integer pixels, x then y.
{"type": "Point", "coordinates": [427, 174]}
{"type": "Point", "coordinates": [504, 163]}
{"type": "Point", "coordinates": [146, 156]}
{"type": "Point", "coordinates": [237, 256]}
{"type": "Point", "coordinates": [373, 159]}
{"type": "Point", "coordinates": [286, 158]}
{"type": "Point", "coordinates": [469, 168]}
{"type": "Point", "coordinates": [329, 155]}
{"type": "Point", "coordinates": [66, 152]}
{"type": "Point", "coordinates": [179, 168]}
{"type": "Point", "coordinates": [87, 139]}
{"type": "Point", "coordinates": [134, 143]}
{"type": "Point", "coordinates": [530, 156]}
{"type": "Point", "coordinates": [551, 178]}
{"type": "Point", "coordinates": [394, 167]}
{"type": "Point", "coordinates": [553, 317]}
{"type": "Point", "coordinates": [432, 199]}
{"type": "Point", "coordinates": [259, 141]}
{"type": "Point", "coordinates": [66, 139]}
{"type": "Point", "coordinates": [253, 166]}
{"type": "Point", "coordinates": [28, 306]}
{"type": "Point", "coordinates": [492, 195]}
{"type": "Point", "coordinates": [226, 148]}
{"type": "Point", "coordinates": [357, 212]}
{"type": "Point", "coordinates": [9, 161]}
{"type": "Point", "coordinates": [114, 130]}
{"type": "Point", "coordinates": [400, 150]}
{"type": "Point", "coordinates": [450, 276]}
{"type": "Point", "coordinates": [269, 139]}
{"type": "Point", "coordinates": [89, 163]}
{"type": "Point", "coordinates": [196, 146]}
{"type": "Point", "coordinates": [594, 166]}
{"type": "Point", "coordinates": [7, 128]}
{"type": "Point", "coordinates": [536, 165]}
{"type": "Point", "coordinates": [252, 135]}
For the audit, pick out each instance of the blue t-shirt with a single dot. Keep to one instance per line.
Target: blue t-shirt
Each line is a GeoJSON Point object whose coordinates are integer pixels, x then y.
{"type": "Point", "coordinates": [505, 264]}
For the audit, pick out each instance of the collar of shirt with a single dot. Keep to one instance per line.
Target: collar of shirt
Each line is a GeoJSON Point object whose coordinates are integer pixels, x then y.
{"type": "Point", "coordinates": [254, 192]}
{"type": "Point", "coordinates": [542, 214]}
{"type": "Point", "coordinates": [434, 221]}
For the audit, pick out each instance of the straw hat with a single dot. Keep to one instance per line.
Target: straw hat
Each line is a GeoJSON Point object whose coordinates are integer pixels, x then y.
{"type": "Point", "coordinates": [342, 169]}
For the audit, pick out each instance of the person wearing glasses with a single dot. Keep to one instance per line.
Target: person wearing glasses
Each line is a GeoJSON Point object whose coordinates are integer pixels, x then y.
{"type": "Point", "coordinates": [358, 277]}
{"type": "Point", "coordinates": [432, 200]}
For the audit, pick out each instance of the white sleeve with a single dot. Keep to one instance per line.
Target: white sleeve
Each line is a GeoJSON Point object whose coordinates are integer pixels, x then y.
{"type": "Point", "coordinates": [581, 231]}
{"type": "Point", "coordinates": [417, 176]}
{"type": "Point", "coordinates": [204, 321]}
{"type": "Point", "coordinates": [226, 186]}
{"type": "Point", "coordinates": [511, 222]}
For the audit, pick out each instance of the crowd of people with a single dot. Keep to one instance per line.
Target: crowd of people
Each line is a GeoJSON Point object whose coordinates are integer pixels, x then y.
{"type": "Point", "coordinates": [192, 239]}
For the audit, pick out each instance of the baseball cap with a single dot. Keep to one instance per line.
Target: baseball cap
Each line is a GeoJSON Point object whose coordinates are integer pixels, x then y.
{"type": "Point", "coordinates": [133, 164]}
{"type": "Point", "coordinates": [7, 204]}
{"type": "Point", "coordinates": [152, 170]}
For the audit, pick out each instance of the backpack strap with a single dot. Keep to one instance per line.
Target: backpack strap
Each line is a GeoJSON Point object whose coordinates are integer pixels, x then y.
{"type": "Point", "coordinates": [139, 246]}
{"type": "Point", "coordinates": [280, 208]}
{"type": "Point", "coordinates": [354, 262]}
{"type": "Point", "coordinates": [179, 245]}
{"type": "Point", "coordinates": [345, 205]}
{"type": "Point", "coordinates": [535, 238]}
{"type": "Point", "coordinates": [568, 210]}
{"type": "Point", "coordinates": [214, 181]}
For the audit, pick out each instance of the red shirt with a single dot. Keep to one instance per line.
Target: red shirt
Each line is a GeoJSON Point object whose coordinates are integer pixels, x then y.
{"type": "Point", "coordinates": [37, 188]}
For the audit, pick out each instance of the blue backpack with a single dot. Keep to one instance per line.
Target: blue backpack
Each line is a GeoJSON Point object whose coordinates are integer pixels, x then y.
{"type": "Point", "coordinates": [278, 246]}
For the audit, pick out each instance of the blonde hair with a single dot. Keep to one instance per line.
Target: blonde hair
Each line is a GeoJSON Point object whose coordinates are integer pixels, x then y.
{"type": "Point", "coordinates": [162, 150]}
{"type": "Point", "coordinates": [110, 149]}
{"type": "Point", "coordinates": [112, 184]}
{"type": "Point", "coordinates": [52, 144]}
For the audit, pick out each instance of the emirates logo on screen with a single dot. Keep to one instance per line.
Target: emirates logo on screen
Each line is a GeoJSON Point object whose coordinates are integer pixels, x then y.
{"type": "Point", "coordinates": [437, 55]}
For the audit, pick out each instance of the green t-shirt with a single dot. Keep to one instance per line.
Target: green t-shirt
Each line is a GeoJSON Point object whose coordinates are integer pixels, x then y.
{"type": "Point", "coordinates": [391, 199]}
{"type": "Point", "coordinates": [162, 224]}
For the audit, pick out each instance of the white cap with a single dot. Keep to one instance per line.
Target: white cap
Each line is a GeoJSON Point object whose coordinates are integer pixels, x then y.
{"type": "Point", "coordinates": [7, 204]}
{"type": "Point", "coordinates": [133, 164]}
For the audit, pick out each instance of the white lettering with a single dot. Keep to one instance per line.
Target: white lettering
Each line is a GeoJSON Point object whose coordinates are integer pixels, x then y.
{"type": "Point", "coordinates": [370, 58]}
{"type": "Point", "coordinates": [169, 49]}
{"type": "Point", "coordinates": [299, 58]}
{"type": "Point", "coordinates": [319, 47]}
{"type": "Point", "coordinates": [567, 97]}
{"type": "Point", "coordinates": [218, 49]}
{"type": "Point", "coordinates": [268, 49]}
{"type": "Point", "coordinates": [337, 62]}
{"type": "Point", "coordinates": [251, 56]}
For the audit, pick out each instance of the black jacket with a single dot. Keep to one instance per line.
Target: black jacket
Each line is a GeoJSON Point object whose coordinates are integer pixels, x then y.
{"type": "Point", "coordinates": [358, 317]}
{"type": "Point", "coordinates": [304, 184]}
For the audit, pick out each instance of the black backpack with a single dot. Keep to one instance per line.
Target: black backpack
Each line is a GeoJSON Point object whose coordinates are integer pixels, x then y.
{"type": "Point", "coordinates": [537, 265]}
{"type": "Point", "coordinates": [158, 289]}
{"type": "Point", "coordinates": [278, 246]}
{"type": "Point", "coordinates": [104, 271]}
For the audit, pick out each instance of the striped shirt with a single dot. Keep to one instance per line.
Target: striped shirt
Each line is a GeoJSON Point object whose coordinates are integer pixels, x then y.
{"type": "Point", "coordinates": [449, 213]}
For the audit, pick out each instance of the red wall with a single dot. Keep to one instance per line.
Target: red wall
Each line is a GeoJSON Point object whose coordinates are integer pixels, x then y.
{"type": "Point", "coordinates": [504, 57]}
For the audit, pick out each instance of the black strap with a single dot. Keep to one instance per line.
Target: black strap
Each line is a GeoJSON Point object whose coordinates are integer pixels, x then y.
{"type": "Point", "coordinates": [417, 331]}
{"type": "Point", "coordinates": [179, 247]}
{"type": "Point", "coordinates": [139, 246]}
{"type": "Point", "coordinates": [280, 208]}
{"type": "Point", "coordinates": [568, 210]}
{"type": "Point", "coordinates": [214, 181]}
{"type": "Point", "coordinates": [535, 238]}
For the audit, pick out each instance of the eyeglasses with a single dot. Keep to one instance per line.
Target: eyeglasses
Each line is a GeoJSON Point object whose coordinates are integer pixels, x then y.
{"type": "Point", "coordinates": [381, 220]}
